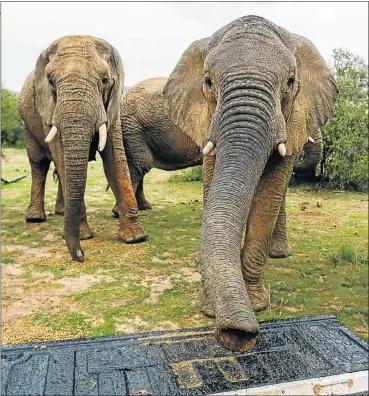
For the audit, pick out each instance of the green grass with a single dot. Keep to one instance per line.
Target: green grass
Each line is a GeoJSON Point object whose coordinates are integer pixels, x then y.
{"type": "Point", "coordinates": [154, 285]}
{"type": "Point", "coordinates": [187, 175]}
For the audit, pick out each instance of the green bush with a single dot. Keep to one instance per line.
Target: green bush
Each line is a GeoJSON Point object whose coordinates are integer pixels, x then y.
{"type": "Point", "coordinates": [345, 155]}
{"type": "Point", "coordinates": [12, 127]}
{"type": "Point", "coordinates": [188, 175]}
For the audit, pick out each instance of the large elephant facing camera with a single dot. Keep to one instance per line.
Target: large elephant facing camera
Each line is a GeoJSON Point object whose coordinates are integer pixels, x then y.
{"type": "Point", "coordinates": [70, 105]}
{"type": "Point", "coordinates": [258, 92]}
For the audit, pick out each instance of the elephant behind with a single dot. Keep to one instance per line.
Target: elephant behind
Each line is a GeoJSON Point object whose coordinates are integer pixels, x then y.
{"type": "Point", "coordinates": [151, 139]}
{"type": "Point", "coordinates": [70, 106]}
{"type": "Point", "coordinates": [311, 156]}
{"type": "Point", "coordinates": [257, 92]}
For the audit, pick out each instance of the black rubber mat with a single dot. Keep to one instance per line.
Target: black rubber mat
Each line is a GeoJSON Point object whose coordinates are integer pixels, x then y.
{"type": "Point", "coordinates": [185, 362]}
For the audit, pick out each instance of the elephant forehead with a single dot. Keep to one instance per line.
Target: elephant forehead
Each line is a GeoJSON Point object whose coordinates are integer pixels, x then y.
{"type": "Point", "coordinates": [82, 48]}
{"type": "Point", "coordinates": [242, 60]}
{"type": "Point", "coordinates": [254, 46]}
{"type": "Point", "coordinates": [78, 55]}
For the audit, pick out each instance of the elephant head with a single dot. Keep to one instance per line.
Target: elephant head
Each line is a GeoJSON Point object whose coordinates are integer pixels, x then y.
{"type": "Point", "coordinates": [78, 85]}
{"type": "Point", "coordinates": [252, 88]}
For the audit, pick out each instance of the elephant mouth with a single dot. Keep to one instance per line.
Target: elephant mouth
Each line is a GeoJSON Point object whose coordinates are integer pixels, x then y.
{"type": "Point", "coordinates": [236, 340]}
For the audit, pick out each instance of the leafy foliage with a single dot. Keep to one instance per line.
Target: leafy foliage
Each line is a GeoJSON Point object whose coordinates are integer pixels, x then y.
{"type": "Point", "coordinates": [345, 156]}
{"type": "Point", "coordinates": [188, 175]}
{"type": "Point", "coordinates": [12, 127]}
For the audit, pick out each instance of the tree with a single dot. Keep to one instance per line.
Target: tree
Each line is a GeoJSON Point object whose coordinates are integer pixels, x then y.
{"type": "Point", "coordinates": [12, 127]}
{"type": "Point", "coordinates": [345, 156]}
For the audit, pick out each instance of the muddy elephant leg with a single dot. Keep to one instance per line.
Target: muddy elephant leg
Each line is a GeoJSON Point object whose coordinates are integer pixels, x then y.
{"type": "Point", "coordinates": [142, 202]}
{"type": "Point", "coordinates": [59, 205]}
{"type": "Point", "coordinates": [263, 215]}
{"type": "Point", "coordinates": [280, 247]}
{"type": "Point", "coordinates": [39, 166]}
{"type": "Point", "coordinates": [119, 179]}
{"type": "Point", "coordinates": [207, 177]}
{"type": "Point", "coordinates": [85, 231]}
{"type": "Point", "coordinates": [137, 185]}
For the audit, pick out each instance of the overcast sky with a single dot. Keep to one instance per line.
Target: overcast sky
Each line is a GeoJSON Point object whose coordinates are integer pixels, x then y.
{"type": "Point", "coordinates": [151, 37]}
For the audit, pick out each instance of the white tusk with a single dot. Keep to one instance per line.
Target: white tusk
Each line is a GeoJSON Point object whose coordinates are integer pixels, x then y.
{"type": "Point", "coordinates": [208, 148]}
{"type": "Point", "coordinates": [310, 139]}
{"type": "Point", "coordinates": [51, 135]}
{"type": "Point", "coordinates": [282, 149]}
{"type": "Point", "coordinates": [102, 137]}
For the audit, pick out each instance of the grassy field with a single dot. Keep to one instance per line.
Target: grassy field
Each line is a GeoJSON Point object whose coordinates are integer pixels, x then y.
{"type": "Point", "coordinates": [155, 285]}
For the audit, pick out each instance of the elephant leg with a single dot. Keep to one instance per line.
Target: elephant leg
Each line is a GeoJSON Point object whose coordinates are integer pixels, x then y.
{"type": "Point", "coordinates": [142, 202]}
{"type": "Point", "coordinates": [115, 210]}
{"type": "Point", "coordinates": [263, 215]}
{"type": "Point", "coordinates": [85, 231]}
{"type": "Point", "coordinates": [59, 205]}
{"type": "Point", "coordinates": [280, 246]}
{"type": "Point", "coordinates": [117, 173]}
{"type": "Point", "coordinates": [207, 176]}
{"type": "Point", "coordinates": [40, 165]}
{"type": "Point", "coordinates": [137, 184]}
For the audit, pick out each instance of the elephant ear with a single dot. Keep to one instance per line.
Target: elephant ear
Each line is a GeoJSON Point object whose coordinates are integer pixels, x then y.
{"type": "Point", "coordinates": [45, 102]}
{"type": "Point", "coordinates": [117, 73]}
{"type": "Point", "coordinates": [317, 92]}
{"type": "Point", "coordinates": [183, 96]}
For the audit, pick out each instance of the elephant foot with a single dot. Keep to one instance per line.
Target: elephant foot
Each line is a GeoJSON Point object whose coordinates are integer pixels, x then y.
{"type": "Point", "coordinates": [280, 250]}
{"type": "Point", "coordinates": [133, 232]}
{"type": "Point", "coordinates": [144, 205]}
{"type": "Point", "coordinates": [85, 232]}
{"type": "Point", "coordinates": [35, 215]}
{"type": "Point", "coordinates": [59, 210]}
{"type": "Point", "coordinates": [259, 297]}
{"type": "Point", "coordinates": [115, 211]}
{"type": "Point", "coordinates": [206, 307]}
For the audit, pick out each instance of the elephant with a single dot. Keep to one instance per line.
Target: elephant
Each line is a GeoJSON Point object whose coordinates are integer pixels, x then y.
{"type": "Point", "coordinates": [312, 155]}
{"type": "Point", "coordinates": [70, 106]}
{"type": "Point", "coordinates": [257, 92]}
{"type": "Point", "coordinates": [151, 139]}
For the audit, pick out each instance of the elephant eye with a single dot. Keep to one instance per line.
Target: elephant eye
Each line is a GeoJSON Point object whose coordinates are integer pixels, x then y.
{"type": "Point", "coordinates": [291, 81]}
{"type": "Point", "coordinates": [51, 81]}
{"type": "Point", "coordinates": [105, 80]}
{"type": "Point", "coordinates": [208, 82]}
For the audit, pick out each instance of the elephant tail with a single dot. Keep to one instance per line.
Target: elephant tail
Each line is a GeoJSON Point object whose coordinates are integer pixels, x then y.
{"type": "Point", "coordinates": [55, 176]}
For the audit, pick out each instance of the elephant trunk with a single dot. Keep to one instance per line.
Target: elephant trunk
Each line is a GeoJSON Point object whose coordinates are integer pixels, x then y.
{"type": "Point", "coordinates": [243, 148]}
{"type": "Point", "coordinates": [77, 117]}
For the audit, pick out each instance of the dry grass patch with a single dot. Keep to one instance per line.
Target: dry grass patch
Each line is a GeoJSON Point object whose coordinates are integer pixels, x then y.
{"type": "Point", "coordinates": [316, 219]}
{"type": "Point", "coordinates": [24, 330]}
